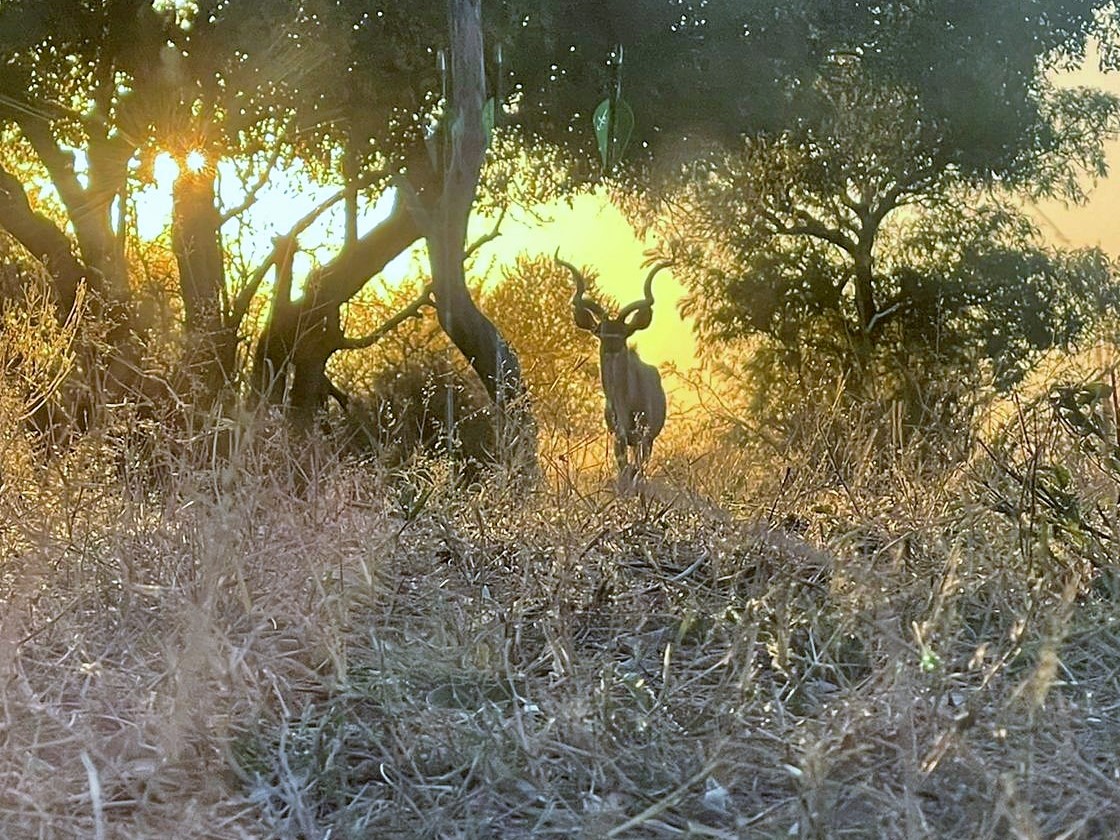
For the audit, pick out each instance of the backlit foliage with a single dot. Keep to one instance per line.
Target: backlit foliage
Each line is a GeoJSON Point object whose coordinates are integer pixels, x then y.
{"type": "Point", "coordinates": [532, 306]}
{"type": "Point", "coordinates": [858, 249]}
{"type": "Point", "coordinates": [36, 356]}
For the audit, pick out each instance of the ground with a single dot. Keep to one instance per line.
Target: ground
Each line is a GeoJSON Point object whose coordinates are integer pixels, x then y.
{"type": "Point", "coordinates": [305, 646]}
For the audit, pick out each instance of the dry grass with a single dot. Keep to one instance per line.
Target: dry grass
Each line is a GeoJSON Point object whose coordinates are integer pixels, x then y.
{"type": "Point", "coordinates": [295, 646]}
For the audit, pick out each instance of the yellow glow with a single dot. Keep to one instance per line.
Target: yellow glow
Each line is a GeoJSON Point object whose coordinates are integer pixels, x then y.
{"type": "Point", "coordinates": [591, 231]}
{"type": "Point", "coordinates": [1094, 223]}
{"type": "Point", "coordinates": [196, 161]}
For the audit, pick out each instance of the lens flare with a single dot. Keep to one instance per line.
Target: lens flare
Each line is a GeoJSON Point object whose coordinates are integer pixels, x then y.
{"type": "Point", "coordinates": [195, 161]}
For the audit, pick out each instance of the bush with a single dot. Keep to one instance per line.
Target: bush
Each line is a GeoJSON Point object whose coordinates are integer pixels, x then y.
{"type": "Point", "coordinates": [406, 388]}
{"type": "Point", "coordinates": [532, 308]}
{"type": "Point", "coordinates": [36, 352]}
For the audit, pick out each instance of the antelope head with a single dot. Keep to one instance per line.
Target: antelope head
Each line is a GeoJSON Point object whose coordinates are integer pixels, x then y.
{"type": "Point", "coordinates": [635, 399]}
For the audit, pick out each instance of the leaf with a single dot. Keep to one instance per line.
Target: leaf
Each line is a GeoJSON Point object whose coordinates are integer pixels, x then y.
{"type": "Point", "coordinates": [623, 129]}
{"type": "Point", "coordinates": [929, 661]}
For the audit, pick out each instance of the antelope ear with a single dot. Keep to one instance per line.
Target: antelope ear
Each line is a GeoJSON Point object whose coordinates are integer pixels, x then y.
{"type": "Point", "coordinates": [639, 319]}
{"type": "Point", "coordinates": [584, 318]}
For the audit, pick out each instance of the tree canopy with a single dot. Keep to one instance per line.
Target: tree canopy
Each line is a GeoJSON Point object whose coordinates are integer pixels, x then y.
{"type": "Point", "coordinates": [871, 228]}
{"type": "Point", "coordinates": [795, 136]}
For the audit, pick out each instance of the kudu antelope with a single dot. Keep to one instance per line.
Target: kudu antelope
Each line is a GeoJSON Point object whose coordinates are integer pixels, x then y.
{"type": "Point", "coordinates": [635, 399]}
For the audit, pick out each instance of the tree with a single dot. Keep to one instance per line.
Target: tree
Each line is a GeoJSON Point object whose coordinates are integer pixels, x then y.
{"type": "Point", "coordinates": [358, 96]}
{"type": "Point", "coordinates": [60, 88]}
{"type": "Point", "coordinates": [218, 79]}
{"type": "Point", "coordinates": [137, 77]}
{"type": "Point", "coordinates": [437, 193]}
{"type": "Point", "coordinates": [699, 75]}
{"type": "Point", "coordinates": [870, 235]}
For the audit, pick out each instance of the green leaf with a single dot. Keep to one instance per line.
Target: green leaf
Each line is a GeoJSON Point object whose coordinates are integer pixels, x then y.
{"type": "Point", "coordinates": [611, 153]}
{"type": "Point", "coordinates": [930, 661]}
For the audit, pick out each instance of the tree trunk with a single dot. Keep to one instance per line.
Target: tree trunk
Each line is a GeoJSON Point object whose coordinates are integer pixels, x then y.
{"type": "Point", "coordinates": [465, 148]}
{"type": "Point", "coordinates": [463, 152]}
{"type": "Point", "coordinates": [300, 337]}
{"type": "Point", "coordinates": [864, 287]}
{"type": "Point", "coordinates": [110, 374]}
{"type": "Point", "coordinates": [196, 242]}
{"type": "Point", "coordinates": [270, 358]}
{"type": "Point", "coordinates": [46, 242]}
{"type": "Point", "coordinates": [298, 340]}
{"type": "Point", "coordinates": [290, 363]}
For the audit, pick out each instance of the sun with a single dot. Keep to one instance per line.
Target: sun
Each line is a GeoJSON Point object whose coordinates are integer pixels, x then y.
{"type": "Point", "coordinates": [195, 161]}
{"type": "Point", "coordinates": [167, 166]}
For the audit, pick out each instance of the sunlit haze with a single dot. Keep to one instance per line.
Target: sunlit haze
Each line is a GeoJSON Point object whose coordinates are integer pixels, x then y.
{"type": "Point", "coordinates": [288, 196]}
{"type": "Point", "coordinates": [1095, 223]}
{"type": "Point", "coordinates": [589, 232]}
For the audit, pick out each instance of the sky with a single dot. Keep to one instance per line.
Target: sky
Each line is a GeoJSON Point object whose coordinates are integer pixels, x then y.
{"type": "Point", "coordinates": [1098, 222]}
{"type": "Point", "coordinates": [593, 233]}
{"type": "Point", "coordinates": [590, 232]}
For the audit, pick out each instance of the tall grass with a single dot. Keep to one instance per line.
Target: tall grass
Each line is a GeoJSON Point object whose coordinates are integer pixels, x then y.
{"type": "Point", "coordinates": [212, 628]}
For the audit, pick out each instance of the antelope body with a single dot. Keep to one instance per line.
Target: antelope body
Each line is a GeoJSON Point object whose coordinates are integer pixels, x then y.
{"type": "Point", "coordinates": [635, 398]}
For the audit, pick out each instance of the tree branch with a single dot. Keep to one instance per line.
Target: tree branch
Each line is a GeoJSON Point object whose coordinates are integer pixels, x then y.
{"type": "Point", "coordinates": [883, 315]}
{"type": "Point", "coordinates": [59, 165]}
{"type": "Point", "coordinates": [245, 296]}
{"type": "Point", "coordinates": [411, 200]}
{"type": "Point", "coordinates": [413, 310]}
{"type": "Point", "coordinates": [810, 226]}
{"type": "Point", "coordinates": [340, 396]}
{"type": "Point", "coordinates": [87, 209]}
{"type": "Point", "coordinates": [45, 241]}
{"type": "Point", "coordinates": [345, 275]}
{"type": "Point", "coordinates": [494, 233]}
{"type": "Point", "coordinates": [251, 194]}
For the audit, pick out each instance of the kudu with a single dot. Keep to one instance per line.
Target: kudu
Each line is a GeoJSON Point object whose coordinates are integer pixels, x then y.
{"type": "Point", "coordinates": [635, 399]}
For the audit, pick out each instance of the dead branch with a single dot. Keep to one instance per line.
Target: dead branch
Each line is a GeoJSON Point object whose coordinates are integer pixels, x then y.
{"type": "Point", "coordinates": [494, 233]}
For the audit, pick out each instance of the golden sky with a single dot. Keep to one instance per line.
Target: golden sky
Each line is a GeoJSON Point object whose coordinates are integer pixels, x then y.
{"type": "Point", "coordinates": [593, 233]}
{"type": "Point", "coordinates": [1098, 222]}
